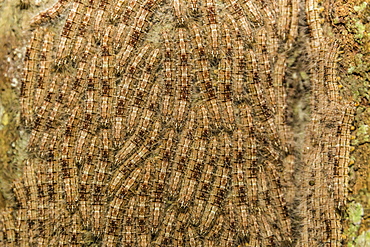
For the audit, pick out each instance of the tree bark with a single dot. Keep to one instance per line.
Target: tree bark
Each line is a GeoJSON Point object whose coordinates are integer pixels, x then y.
{"type": "Point", "coordinates": [176, 123]}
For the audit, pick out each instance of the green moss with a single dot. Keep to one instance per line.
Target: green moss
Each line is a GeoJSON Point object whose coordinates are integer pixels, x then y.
{"type": "Point", "coordinates": [362, 135]}
{"type": "Point", "coordinates": [363, 240]}
{"type": "Point", "coordinates": [304, 75]}
{"type": "Point", "coordinates": [351, 69]}
{"type": "Point", "coordinates": [360, 66]}
{"type": "Point", "coordinates": [355, 213]}
{"type": "Point", "coordinates": [357, 25]}
{"type": "Point", "coordinates": [360, 7]}
{"type": "Point", "coordinates": [352, 232]}
{"type": "Point", "coordinates": [360, 29]}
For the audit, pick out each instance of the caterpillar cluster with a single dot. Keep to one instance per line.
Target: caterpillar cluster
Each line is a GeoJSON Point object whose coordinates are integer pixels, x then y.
{"type": "Point", "coordinates": [164, 123]}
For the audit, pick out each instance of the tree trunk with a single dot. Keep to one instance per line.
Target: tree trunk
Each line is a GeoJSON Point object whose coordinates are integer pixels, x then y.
{"type": "Point", "coordinates": [177, 123]}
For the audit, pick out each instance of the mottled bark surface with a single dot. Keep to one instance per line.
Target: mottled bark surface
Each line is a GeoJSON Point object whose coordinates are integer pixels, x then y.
{"type": "Point", "coordinates": [177, 123]}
